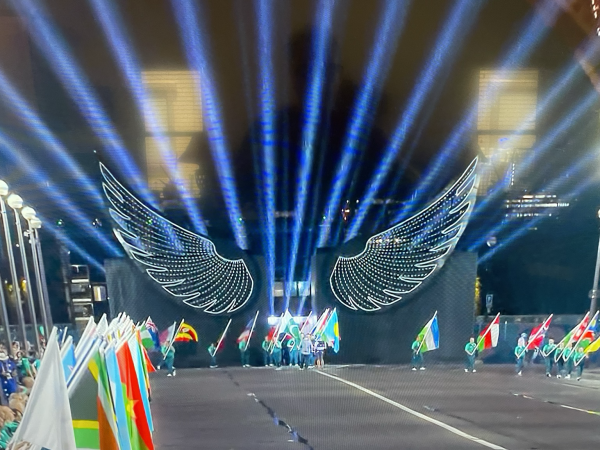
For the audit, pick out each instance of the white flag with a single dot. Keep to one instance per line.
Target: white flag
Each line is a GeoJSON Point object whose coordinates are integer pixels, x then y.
{"type": "Point", "coordinates": [47, 419]}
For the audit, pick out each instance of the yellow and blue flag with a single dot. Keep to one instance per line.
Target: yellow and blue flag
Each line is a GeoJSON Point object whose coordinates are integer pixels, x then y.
{"type": "Point", "coordinates": [331, 332]}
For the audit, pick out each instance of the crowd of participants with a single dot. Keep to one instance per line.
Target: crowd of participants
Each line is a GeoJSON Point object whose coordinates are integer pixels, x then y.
{"type": "Point", "coordinates": [306, 354]}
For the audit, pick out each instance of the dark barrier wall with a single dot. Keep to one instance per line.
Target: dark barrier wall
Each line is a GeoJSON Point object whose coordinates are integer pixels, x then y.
{"type": "Point", "coordinates": [385, 337]}
{"type": "Point", "coordinates": [381, 338]}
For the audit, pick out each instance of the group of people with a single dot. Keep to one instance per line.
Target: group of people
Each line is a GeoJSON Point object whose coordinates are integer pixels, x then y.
{"type": "Point", "coordinates": [564, 358]}
{"type": "Point", "coordinates": [305, 354]}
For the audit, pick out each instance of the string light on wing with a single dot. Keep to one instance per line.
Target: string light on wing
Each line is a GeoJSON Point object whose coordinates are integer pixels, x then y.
{"type": "Point", "coordinates": [184, 264]}
{"type": "Point", "coordinates": [396, 261]}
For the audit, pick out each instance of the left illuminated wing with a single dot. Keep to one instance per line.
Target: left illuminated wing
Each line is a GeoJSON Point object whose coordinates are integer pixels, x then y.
{"type": "Point", "coordinates": [397, 260]}
{"type": "Point", "coordinates": [184, 264]}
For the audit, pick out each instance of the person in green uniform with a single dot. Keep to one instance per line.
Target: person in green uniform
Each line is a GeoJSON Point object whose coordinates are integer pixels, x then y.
{"type": "Point", "coordinates": [568, 358]}
{"type": "Point", "coordinates": [276, 355]}
{"type": "Point", "coordinates": [244, 354]}
{"type": "Point", "coordinates": [417, 357]}
{"type": "Point", "coordinates": [470, 350]}
{"type": "Point", "coordinates": [169, 351]}
{"type": "Point", "coordinates": [560, 364]}
{"type": "Point", "coordinates": [266, 344]}
{"type": "Point", "coordinates": [212, 351]}
{"type": "Point", "coordinates": [579, 358]}
{"type": "Point", "coordinates": [520, 351]}
{"type": "Point", "coordinates": [548, 354]}
{"type": "Point", "coordinates": [293, 351]}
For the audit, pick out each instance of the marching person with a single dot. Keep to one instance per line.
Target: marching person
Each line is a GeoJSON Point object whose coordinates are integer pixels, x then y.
{"type": "Point", "coordinates": [520, 351]}
{"type": "Point", "coordinates": [417, 357]}
{"type": "Point", "coordinates": [276, 355]}
{"type": "Point", "coordinates": [266, 353]}
{"type": "Point", "coordinates": [319, 352]}
{"type": "Point", "coordinates": [522, 340]}
{"type": "Point", "coordinates": [579, 359]}
{"type": "Point", "coordinates": [568, 357]}
{"type": "Point", "coordinates": [306, 348]}
{"type": "Point", "coordinates": [293, 351]}
{"type": "Point", "coordinates": [212, 351]}
{"type": "Point", "coordinates": [169, 351]}
{"type": "Point", "coordinates": [470, 350]}
{"type": "Point", "coordinates": [548, 354]}
{"type": "Point", "coordinates": [244, 354]}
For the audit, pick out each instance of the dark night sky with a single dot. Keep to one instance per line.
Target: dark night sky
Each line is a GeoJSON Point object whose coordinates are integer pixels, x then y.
{"type": "Point", "coordinates": [154, 33]}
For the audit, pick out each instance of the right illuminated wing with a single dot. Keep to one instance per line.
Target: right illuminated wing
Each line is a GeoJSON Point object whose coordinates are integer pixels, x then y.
{"type": "Point", "coordinates": [184, 264]}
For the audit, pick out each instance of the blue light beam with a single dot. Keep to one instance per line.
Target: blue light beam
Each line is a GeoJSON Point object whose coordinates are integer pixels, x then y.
{"type": "Point", "coordinates": [312, 117]}
{"type": "Point", "coordinates": [24, 111]}
{"type": "Point", "coordinates": [446, 48]}
{"type": "Point", "coordinates": [532, 32]}
{"type": "Point", "coordinates": [56, 52]}
{"type": "Point", "coordinates": [389, 29]}
{"type": "Point", "coordinates": [123, 51]}
{"type": "Point", "coordinates": [12, 151]}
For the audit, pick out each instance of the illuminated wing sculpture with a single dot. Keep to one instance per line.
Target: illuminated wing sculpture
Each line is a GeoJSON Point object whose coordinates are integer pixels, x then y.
{"type": "Point", "coordinates": [397, 260]}
{"type": "Point", "coordinates": [183, 263]}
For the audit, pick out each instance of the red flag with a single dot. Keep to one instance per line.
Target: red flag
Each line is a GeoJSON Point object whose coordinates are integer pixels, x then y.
{"type": "Point", "coordinates": [139, 429]}
{"type": "Point", "coordinates": [536, 337]}
{"type": "Point", "coordinates": [271, 333]}
{"type": "Point", "coordinates": [488, 338]}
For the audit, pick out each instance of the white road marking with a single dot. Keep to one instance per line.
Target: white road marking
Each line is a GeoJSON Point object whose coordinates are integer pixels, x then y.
{"type": "Point", "coordinates": [416, 413]}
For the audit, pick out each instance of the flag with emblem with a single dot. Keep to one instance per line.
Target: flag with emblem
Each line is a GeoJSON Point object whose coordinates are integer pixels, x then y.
{"type": "Point", "coordinates": [331, 332]}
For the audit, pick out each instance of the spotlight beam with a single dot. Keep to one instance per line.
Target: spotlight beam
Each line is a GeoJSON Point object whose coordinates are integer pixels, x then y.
{"type": "Point", "coordinates": [56, 52]}
{"type": "Point", "coordinates": [531, 34]}
{"type": "Point", "coordinates": [123, 52]}
{"type": "Point", "coordinates": [189, 19]}
{"type": "Point", "coordinates": [264, 13]}
{"type": "Point", "coordinates": [12, 151]}
{"type": "Point", "coordinates": [533, 222]}
{"type": "Point", "coordinates": [557, 132]}
{"type": "Point", "coordinates": [446, 48]}
{"type": "Point", "coordinates": [389, 29]}
{"type": "Point", "coordinates": [311, 120]}
{"type": "Point", "coordinates": [24, 111]}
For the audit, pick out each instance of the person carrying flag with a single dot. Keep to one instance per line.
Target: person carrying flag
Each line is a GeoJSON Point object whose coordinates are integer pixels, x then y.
{"type": "Point", "coordinates": [579, 358]}
{"type": "Point", "coordinates": [417, 357]}
{"type": "Point", "coordinates": [277, 353]}
{"type": "Point", "coordinates": [548, 354]}
{"type": "Point", "coordinates": [470, 350]}
{"type": "Point", "coordinates": [169, 351]}
{"type": "Point", "coordinates": [306, 349]}
{"type": "Point", "coordinates": [568, 357]}
{"type": "Point", "coordinates": [212, 351]}
{"type": "Point", "coordinates": [520, 351]}
{"type": "Point", "coordinates": [560, 364]}
{"type": "Point", "coordinates": [293, 351]}
{"type": "Point", "coordinates": [266, 353]}
{"type": "Point", "coordinates": [244, 355]}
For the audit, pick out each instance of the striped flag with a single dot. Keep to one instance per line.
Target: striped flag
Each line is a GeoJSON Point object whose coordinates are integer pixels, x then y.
{"type": "Point", "coordinates": [488, 338]}
{"type": "Point", "coordinates": [430, 335]}
{"type": "Point", "coordinates": [572, 336]}
{"type": "Point", "coordinates": [537, 335]}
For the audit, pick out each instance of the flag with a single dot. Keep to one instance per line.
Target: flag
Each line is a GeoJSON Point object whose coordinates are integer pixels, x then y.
{"type": "Point", "coordinates": [46, 422]}
{"type": "Point", "coordinates": [68, 359]}
{"type": "Point", "coordinates": [139, 431]}
{"type": "Point", "coordinates": [107, 425]}
{"type": "Point", "coordinates": [586, 337]}
{"type": "Point", "coordinates": [149, 335]}
{"type": "Point", "coordinates": [321, 322]}
{"type": "Point", "coordinates": [221, 341]}
{"type": "Point", "coordinates": [292, 328]}
{"type": "Point", "coordinates": [572, 336]}
{"type": "Point", "coordinates": [114, 378]}
{"type": "Point", "coordinates": [186, 333]}
{"type": "Point", "coordinates": [593, 347]}
{"type": "Point", "coordinates": [430, 335]}
{"type": "Point", "coordinates": [151, 325]}
{"type": "Point", "coordinates": [168, 335]}
{"type": "Point", "coordinates": [331, 332]}
{"type": "Point", "coordinates": [142, 378]}
{"type": "Point", "coordinates": [488, 338]}
{"type": "Point", "coordinates": [306, 324]}
{"type": "Point", "coordinates": [246, 335]}
{"type": "Point", "coordinates": [537, 335]}
{"type": "Point", "coordinates": [88, 331]}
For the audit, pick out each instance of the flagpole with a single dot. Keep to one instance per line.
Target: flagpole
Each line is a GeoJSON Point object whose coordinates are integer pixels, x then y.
{"type": "Point", "coordinates": [172, 341]}
{"type": "Point", "coordinates": [306, 322]}
{"type": "Point", "coordinates": [427, 332]}
{"type": "Point", "coordinates": [220, 340]}
{"type": "Point", "coordinates": [537, 334]}
{"type": "Point", "coordinates": [251, 330]}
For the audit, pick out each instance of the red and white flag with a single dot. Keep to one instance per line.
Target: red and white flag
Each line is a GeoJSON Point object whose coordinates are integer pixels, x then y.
{"type": "Point", "coordinates": [537, 335]}
{"type": "Point", "coordinates": [488, 338]}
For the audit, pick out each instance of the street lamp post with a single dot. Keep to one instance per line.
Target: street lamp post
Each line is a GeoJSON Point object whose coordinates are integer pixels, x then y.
{"type": "Point", "coordinates": [34, 224]}
{"type": "Point", "coordinates": [16, 203]}
{"type": "Point", "coordinates": [594, 292]}
{"type": "Point", "coordinates": [13, 272]}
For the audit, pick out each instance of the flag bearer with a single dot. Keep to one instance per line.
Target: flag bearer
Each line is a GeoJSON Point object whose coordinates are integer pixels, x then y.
{"type": "Point", "coordinates": [244, 354]}
{"type": "Point", "coordinates": [560, 364]}
{"type": "Point", "coordinates": [548, 354]}
{"type": "Point", "coordinates": [417, 357]}
{"type": "Point", "coordinates": [579, 358]}
{"type": "Point", "coordinates": [568, 357]}
{"type": "Point", "coordinates": [470, 350]}
{"type": "Point", "coordinates": [520, 357]}
{"type": "Point", "coordinates": [169, 352]}
{"type": "Point", "coordinates": [306, 348]}
{"type": "Point", "coordinates": [212, 351]}
{"type": "Point", "coordinates": [277, 353]}
{"type": "Point", "coordinates": [293, 351]}
{"type": "Point", "coordinates": [266, 353]}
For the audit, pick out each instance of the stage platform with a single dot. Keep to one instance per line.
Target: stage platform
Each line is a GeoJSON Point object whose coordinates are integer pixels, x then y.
{"type": "Point", "coordinates": [371, 407]}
